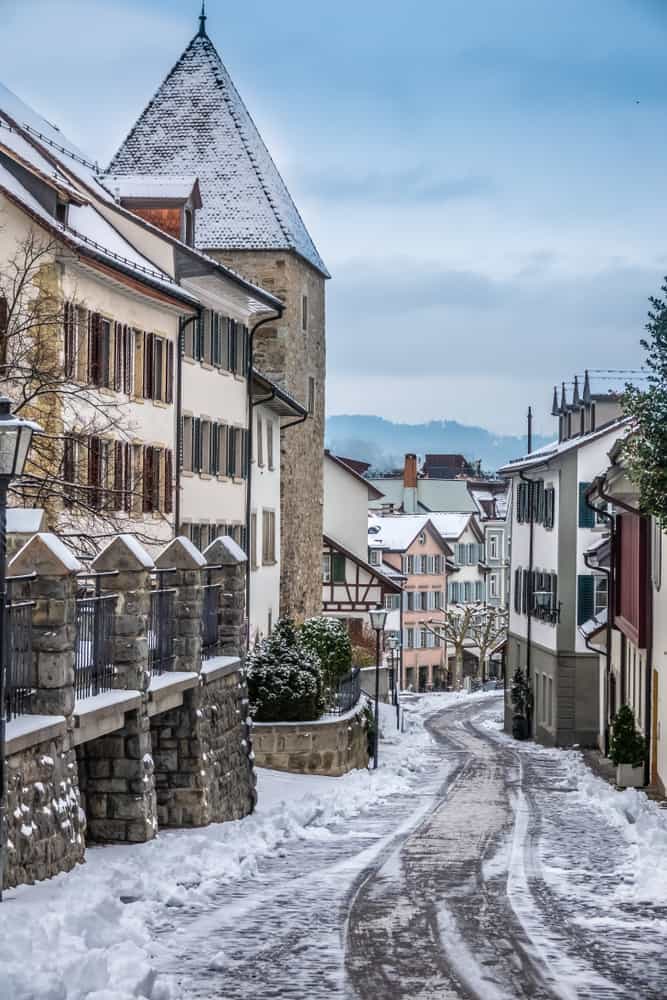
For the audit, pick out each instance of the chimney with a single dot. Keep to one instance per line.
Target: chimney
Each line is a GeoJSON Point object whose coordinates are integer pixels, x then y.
{"type": "Point", "coordinates": [410, 484]}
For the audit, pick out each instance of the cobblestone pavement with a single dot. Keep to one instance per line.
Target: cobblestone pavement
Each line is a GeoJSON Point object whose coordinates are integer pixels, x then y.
{"type": "Point", "coordinates": [487, 881]}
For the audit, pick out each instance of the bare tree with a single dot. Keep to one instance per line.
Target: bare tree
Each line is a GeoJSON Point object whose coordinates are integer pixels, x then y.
{"type": "Point", "coordinates": [40, 374]}
{"type": "Point", "coordinates": [469, 626]}
{"type": "Point", "coordinates": [487, 629]}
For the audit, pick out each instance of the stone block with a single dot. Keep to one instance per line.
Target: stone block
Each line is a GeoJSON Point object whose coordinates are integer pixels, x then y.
{"type": "Point", "coordinates": [130, 807]}
{"type": "Point", "coordinates": [55, 670]}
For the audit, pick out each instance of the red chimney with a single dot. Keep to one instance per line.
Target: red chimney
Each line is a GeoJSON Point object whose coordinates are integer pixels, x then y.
{"type": "Point", "coordinates": [410, 472]}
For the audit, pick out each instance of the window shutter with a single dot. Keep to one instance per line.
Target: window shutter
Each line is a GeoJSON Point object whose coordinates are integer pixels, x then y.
{"type": "Point", "coordinates": [149, 387]}
{"type": "Point", "coordinates": [170, 372]}
{"type": "Point", "coordinates": [554, 592]}
{"type": "Point", "coordinates": [148, 480]}
{"type": "Point", "coordinates": [168, 481]}
{"type": "Point", "coordinates": [586, 515]}
{"type": "Point", "coordinates": [118, 453]}
{"type": "Point", "coordinates": [128, 486]}
{"type": "Point", "coordinates": [585, 598]}
{"type": "Point", "coordinates": [139, 351]}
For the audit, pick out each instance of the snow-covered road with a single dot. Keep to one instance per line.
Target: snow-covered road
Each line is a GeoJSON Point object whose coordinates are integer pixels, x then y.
{"type": "Point", "coordinates": [468, 866]}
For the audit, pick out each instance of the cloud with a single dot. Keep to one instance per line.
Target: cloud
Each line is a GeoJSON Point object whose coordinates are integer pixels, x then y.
{"type": "Point", "coordinates": [412, 184]}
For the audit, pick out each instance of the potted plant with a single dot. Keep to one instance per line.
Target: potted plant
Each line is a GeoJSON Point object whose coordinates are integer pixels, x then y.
{"type": "Point", "coordinates": [522, 703]}
{"type": "Point", "coordinates": [627, 749]}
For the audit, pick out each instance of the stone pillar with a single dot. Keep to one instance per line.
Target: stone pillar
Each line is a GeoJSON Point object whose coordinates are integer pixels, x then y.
{"type": "Point", "coordinates": [117, 768]}
{"type": "Point", "coordinates": [188, 562]}
{"type": "Point", "coordinates": [45, 822]}
{"type": "Point", "coordinates": [231, 566]}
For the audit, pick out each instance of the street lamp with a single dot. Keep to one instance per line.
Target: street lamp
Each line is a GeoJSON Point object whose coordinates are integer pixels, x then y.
{"type": "Point", "coordinates": [378, 621]}
{"type": "Point", "coordinates": [15, 437]}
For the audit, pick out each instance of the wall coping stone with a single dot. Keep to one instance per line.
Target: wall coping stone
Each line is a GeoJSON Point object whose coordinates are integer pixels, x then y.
{"type": "Point", "coordinates": [166, 692]}
{"type": "Point", "coordinates": [122, 553]}
{"type": "Point", "coordinates": [46, 555]}
{"type": "Point", "coordinates": [30, 730]}
{"type": "Point", "coordinates": [330, 720]}
{"type": "Point", "coordinates": [219, 666]}
{"type": "Point", "coordinates": [102, 714]}
{"type": "Point", "coordinates": [224, 551]}
{"type": "Point", "coordinates": [180, 553]}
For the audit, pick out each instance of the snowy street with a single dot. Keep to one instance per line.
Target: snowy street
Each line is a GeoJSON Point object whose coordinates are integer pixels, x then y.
{"type": "Point", "coordinates": [468, 866]}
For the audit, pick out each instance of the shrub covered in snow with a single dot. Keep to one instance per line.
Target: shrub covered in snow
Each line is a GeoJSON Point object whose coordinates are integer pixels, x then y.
{"type": "Point", "coordinates": [285, 678]}
{"type": "Point", "coordinates": [330, 641]}
{"type": "Point", "coordinates": [627, 745]}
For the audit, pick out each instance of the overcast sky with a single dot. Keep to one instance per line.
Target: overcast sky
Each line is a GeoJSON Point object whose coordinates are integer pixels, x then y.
{"type": "Point", "coordinates": [484, 180]}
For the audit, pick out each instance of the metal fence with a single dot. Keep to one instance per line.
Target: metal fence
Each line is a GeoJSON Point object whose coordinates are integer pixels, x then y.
{"type": "Point", "coordinates": [348, 693]}
{"type": "Point", "coordinates": [161, 624]}
{"type": "Point", "coordinates": [210, 615]}
{"type": "Point", "coordinates": [18, 651]}
{"type": "Point", "coordinates": [93, 654]}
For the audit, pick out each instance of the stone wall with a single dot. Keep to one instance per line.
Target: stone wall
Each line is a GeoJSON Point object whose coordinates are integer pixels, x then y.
{"type": "Point", "coordinates": [291, 356]}
{"type": "Point", "coordinates": [45, 823]}
{"type": "Point", "coordinates": [329, 748]}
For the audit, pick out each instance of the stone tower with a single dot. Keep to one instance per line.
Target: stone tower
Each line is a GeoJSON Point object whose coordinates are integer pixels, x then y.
{"type": "Point", "coordinates": [197, 125]}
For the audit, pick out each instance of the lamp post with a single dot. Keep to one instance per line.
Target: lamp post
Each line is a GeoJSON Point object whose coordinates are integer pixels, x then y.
{"type": "Point", "coordinates": [378, 620]}
{"type": "Point", "coordinates": [15, 437]}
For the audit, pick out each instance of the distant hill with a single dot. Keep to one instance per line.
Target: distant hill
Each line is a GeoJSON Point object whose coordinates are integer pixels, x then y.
{"type": "Point", "coordinates": [384, 443]}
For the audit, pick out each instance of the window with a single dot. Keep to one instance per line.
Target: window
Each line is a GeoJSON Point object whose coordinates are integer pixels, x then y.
{"type": "Point", "coordinates": [260, 442]}
{"type": "Point", "coordinates": [453, 593]}
{"type": "Point", "coordinates": [153, 367]}
{"type": "Point", "coordinates": [326, 568]}
{"type": "Point", "coordinates": [62, 212]}
{"type": "Point", "coordinates": [70, 465]}
{"type": "Point", "coordinates": [253, 541]}
{"type": "Point", "coordinates": [205, 463]}
{"type": "Point", "coordinates": [422, 538]}
{"type": "Point", "coordinates": [311, 395]}
{"type": "Point", "coordinates": [189, 227]}
{"type": "Point", "coordinates": [268, 537]}
{"type": "Point", "coordinates": [493, 546]}
{"type": "Point", "coordinates": [550, 696]}
{"type": "Point", "coordinates": [600, 588]}
{"type": "Point", "coordinates": [375, 557]}
{"type": "Point", "coordinates": [392, 602]}
{"type": "Point", "coordinates": [304, 313]}
{"type": "Point", "coordinates": [69, 331]}
{"type": "Point", "coordinates": [338, 567]}
{"type": "Point", "coordinates": [479, 591]}
{"type": "Point", "coordinates": [410, 638]}
{"type": "Point", "coordinates": [269, 444]}
{"type": "Point", "coordinates": [493, 585]}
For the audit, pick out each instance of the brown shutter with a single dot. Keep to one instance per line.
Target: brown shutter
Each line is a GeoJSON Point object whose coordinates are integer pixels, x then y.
{"type": "Point", "coordinates": [118, 479]}
{"type": "Point", "coordinates": [168, 482]}
{"type": "Point", "coordinates": [118, 357]}
{"type": "Point", "coordinates": [170, 372]}
{"type": "Point", "coordinates": [128, 487]}
{"type": "Point", "coordinates": [149, 388]}
{"type": "Point", "coordinates": [94, 472]}
{"type": "Point", "coordinates": [148, 480]}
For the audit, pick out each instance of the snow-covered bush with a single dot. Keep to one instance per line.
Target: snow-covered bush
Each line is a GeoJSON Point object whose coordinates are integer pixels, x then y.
{"type": "Point", "coordinates": [284, 678]}
{"type": "Point", "coordinates": [330, 641]}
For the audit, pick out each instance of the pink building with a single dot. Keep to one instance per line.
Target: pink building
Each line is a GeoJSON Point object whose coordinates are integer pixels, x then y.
{"type": "Point", "coordinates": [409, 544]}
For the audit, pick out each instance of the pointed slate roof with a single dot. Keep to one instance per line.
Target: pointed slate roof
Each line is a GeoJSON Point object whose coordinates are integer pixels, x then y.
{"type": "Point", "coordinates": [198, 124]}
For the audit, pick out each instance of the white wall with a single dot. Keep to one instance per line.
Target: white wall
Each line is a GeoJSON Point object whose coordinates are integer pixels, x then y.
{"type": "Point", "coordinates": [265, 579]}
{"type": "Point", "coordinates": [345, 509]}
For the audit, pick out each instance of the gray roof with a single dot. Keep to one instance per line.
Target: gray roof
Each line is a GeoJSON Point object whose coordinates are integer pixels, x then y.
{"type": "Point", "coordinates": [447, 496]}
{"type": "Point", "coordinates": [198, 124]}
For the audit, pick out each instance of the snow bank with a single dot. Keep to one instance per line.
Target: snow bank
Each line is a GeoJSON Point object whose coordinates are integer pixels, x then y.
{"type": "Point", "coordinates": [88, 934]}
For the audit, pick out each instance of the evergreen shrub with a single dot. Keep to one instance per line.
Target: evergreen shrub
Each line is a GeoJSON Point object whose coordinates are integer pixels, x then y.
{"type": "Point", "coordinates": [284, 678]}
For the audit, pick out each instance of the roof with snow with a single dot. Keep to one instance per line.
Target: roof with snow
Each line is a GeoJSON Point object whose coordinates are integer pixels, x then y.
{"type": "Point", "coordinates": [450, 526]}
{"type": "Point", "coordinates": [397, 532]}
{"type": "Point", "coordinates": [140, 187]}
{"type": "Point", "coordinates": [544, 455]}
{"type": "Point", "coordinates": [197, 123]}
{"type": "Point", "coordinates": [446, 495]}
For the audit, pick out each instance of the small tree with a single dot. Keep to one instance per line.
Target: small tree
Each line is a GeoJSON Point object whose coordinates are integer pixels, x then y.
{"type": "Point", "coordinates": [456, 626]}
{"type": "Point", "coordinates": [521, 696]}
{"type": "Point", "coordinates": [486, 630]}
{"type": "Point", "coordinates": [646, 449]}
{"type": "Point", "coordinates": [329, 640]}
{"type": "Point", "coordinates": [627, 745]}
{"type": "Point", "coordinates": [284, 678]}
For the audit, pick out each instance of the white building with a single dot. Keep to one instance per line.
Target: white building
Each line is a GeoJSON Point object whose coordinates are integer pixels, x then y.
{"type": "Point", "coordinates": [554, 591]}
{"type": "Point", "coordinates": [274, 411]}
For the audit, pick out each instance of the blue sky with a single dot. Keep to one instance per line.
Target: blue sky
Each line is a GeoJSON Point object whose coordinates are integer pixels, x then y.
{"type": "Point", "coordinates": [480, 179]}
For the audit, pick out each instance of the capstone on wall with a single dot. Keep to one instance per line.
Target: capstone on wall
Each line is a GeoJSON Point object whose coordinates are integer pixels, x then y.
{"type": "Point", "coordinates": [291, 356]}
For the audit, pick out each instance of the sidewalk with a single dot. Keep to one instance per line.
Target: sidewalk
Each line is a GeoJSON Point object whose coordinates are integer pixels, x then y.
{"type": "Point", "coordinates": [603, 768]}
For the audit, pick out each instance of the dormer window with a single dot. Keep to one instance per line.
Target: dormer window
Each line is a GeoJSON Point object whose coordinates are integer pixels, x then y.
{"type": "Point", "coordinates": [62, 208]}
{"type": "Point", "coordinates": [189, 227]}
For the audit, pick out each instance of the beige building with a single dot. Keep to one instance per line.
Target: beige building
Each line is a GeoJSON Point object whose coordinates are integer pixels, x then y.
{"type": "Point", "coordinates": [197, 125]}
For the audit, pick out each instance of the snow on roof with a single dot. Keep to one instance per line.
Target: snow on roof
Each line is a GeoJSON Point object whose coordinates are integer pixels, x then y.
{"type": "Point", "coordinates": [556, 449]}
{"type": "Point", "coordinates": [450, 525]}
{"type": "Point", "coordinates": [594, 625]}
{"type": "Point", "coordinates": [141, 186]}
{"type": "Point", "coordinates": [197, 123]}
{"type": "Point", "coordinates": [395, 532]}
{"type": "Point", "coordinates": [444, 495]}
{"type": "Point", "coordinates": [16, 143]}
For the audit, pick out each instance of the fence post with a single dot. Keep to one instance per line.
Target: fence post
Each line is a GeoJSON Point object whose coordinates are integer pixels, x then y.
{"type": "Point", "coordinates": [187, 561]}
{"type": "Point", "coordinates": [233, 563]}
{"type": "Point", "coordinates": [54, 620]}
{"type": "Point", "coordinates": [131, 567]}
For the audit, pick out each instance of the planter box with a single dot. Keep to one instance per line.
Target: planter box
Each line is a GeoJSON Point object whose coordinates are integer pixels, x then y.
{"type": "Point", "coordinates": [628, 776]}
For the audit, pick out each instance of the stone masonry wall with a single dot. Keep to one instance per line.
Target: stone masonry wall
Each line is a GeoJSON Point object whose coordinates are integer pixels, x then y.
{"type": "Point", "coordinates": [290, 356]}
{"type": "Point", "coordinates": [203, 773]}
{"type": "Point", "coordinates": [330, 748]}
{"type": "Point", "coordinates": [45, 822]}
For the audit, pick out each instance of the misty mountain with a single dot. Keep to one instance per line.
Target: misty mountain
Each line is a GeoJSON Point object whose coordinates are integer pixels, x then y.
{"type": "Point", "coordinates": [384, 443]}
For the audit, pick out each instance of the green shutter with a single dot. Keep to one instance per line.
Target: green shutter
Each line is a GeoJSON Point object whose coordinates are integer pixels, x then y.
{"type": "Point", "coordinates": [586, 515]}
{"type": "Point", "coordinates": [585, 599]}
{"type": "Point", "coordinates": [338, 568]}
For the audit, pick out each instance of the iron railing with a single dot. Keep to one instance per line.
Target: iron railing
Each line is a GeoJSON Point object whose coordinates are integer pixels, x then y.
{"type": "Point", "coordinates": [210, 616]}
{"type": "Point", "coordinates": [161, 624]}
{"type": "Point", "coordinates": [348, 693]}
{"type": "Point", "coordinates": [93, 654]}
{"type": "Point", "coordinates": [18, 652]}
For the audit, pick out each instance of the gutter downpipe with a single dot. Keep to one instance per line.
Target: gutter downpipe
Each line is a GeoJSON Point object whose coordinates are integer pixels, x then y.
{"type": "Point", "coordinates": [248, 491]}
{"type": "Point", "coordinates": [611, 585]}
{"type": "Point", "coordinates": [182, 326]}
{"type": "Point", "coordinates": [649, 643]}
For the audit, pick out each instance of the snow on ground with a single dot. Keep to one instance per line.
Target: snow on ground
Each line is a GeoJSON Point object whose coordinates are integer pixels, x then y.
{"type": "Point", "coordinates": [87, 934]}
